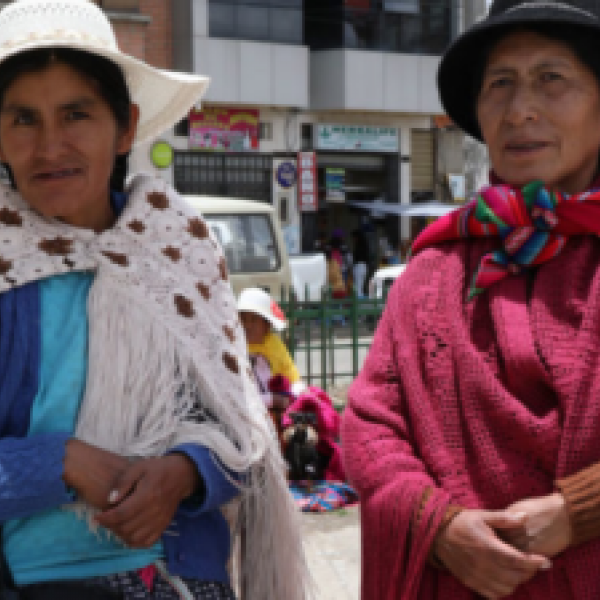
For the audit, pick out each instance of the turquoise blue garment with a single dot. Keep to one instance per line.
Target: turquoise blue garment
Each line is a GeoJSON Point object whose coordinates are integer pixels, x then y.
{"type": "Point", "coordinates": [56, 544]}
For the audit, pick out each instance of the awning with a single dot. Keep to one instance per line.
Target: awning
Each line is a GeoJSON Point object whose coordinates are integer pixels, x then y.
{"type": "Point", "coordinates": [425, 209]}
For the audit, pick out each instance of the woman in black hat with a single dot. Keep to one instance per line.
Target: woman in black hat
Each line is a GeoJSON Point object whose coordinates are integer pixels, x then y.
{"type": "Point", "coordinates": [472, 431]}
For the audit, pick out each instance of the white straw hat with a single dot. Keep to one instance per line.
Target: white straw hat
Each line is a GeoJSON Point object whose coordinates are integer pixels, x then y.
{"type": "Point", "coordinates": [164, 97]}
{"type": "Point", "coordinates": [257, 301]}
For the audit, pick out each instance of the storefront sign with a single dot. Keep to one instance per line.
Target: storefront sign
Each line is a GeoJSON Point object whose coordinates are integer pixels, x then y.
{"type": "Point", "coordinates": [335, 180]}
{"type": "Point", "coordinates": [224, 129]}
{"type": "Point", "coordinates": [161, 154]}
{"type": "Point", "coordinates": [358, 138]}
{"type": "Point", "coordinates": [307, 182]}
{"type": "Point", "coordinates": [286, 174]}
{"type": "Point", "coordinates": [457, 187]}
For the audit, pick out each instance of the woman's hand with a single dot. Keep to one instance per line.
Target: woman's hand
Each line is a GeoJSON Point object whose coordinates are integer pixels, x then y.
{"type": "Point", "coordinates": [92, 472]}
{"type": "Point", "coordinates": [547, 528]}
{"type": "Point", "coordinates": [472, 551]}
{"type": "Point", "coordinates": [146, 497]}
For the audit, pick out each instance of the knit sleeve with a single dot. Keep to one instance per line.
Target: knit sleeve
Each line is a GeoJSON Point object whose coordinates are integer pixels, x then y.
{"type": "Point", "coordinates": [384, 466]}
{"type": "Point", "coordinates": [582, 495]}
{"type": "Point", "coordinates": [451, 512]}
{"type": "Point", "coordinates": [31, 471]}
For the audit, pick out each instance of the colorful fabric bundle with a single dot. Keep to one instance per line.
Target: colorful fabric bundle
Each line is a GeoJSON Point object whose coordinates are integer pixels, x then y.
{"type": "Point", "coordinates": [533, 224]}
{"type": "Point", "coordinates": [323, 496]}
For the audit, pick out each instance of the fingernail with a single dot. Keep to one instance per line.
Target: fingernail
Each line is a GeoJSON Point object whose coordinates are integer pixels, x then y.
{"type": "Point", "coordinates": [547, 565]}
{"type": "Point", "coordinates": [518, 515]}
{"type": "Point", "coordinates": [113, 496]}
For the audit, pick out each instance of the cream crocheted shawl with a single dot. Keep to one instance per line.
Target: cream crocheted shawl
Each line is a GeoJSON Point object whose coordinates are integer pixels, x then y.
{"type": "Point", "coordinates": [167, 359]}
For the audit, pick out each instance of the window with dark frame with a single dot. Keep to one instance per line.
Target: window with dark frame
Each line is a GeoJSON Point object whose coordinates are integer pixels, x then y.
{"type": "Point", "coordinates": [220, 174]}
{"type": "Point", "coordinates": [407, 26]}
{"type": "Point", "coordinates": [120, 5]}
{"type": "Point", "coordinates": [279, 21]}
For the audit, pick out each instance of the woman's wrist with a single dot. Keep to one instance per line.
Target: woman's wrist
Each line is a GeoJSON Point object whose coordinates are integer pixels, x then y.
{"type": "Point", "coordinates": [186, 474]}
{"type": "Point", "coordinates": [434, 558]}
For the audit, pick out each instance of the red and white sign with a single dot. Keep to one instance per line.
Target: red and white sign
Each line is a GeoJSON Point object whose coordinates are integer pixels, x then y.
{"type": "Point", "coordinates": [308, 199]}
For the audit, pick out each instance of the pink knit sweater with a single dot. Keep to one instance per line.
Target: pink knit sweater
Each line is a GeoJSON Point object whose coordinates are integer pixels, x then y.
{"type": "Point", "coordinates": [483, 403]}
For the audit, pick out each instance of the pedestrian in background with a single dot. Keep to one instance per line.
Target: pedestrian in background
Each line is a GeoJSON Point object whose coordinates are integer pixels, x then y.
{"type": "Point", "coordinates": [129, 422]}
{"type": "Point", "coordinates": [360, 262]}
{"type": "Point", "coordinates": [471, 433]}
{"type": "Point", "coordinates": [335, 278]}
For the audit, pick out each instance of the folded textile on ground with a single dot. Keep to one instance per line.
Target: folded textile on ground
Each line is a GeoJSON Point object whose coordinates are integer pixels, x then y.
{"type": "Point", "coordinates": [323, 496]}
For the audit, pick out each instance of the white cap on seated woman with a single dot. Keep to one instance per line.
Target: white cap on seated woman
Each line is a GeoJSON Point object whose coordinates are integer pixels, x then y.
{"type": "Point", "coordinates": [261, 316]}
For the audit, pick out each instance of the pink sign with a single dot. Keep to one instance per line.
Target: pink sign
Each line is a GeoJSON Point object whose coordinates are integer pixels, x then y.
{"type": "Point", "coordinates": [224, 129]}
{"type": "Point", "coordinates": [307, 182]}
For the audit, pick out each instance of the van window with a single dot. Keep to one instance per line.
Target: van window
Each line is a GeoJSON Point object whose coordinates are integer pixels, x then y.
{"type": "Point", "coordinates": [248, 242]}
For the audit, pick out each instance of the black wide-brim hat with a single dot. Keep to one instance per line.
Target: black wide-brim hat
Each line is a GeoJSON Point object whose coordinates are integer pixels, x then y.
{"type": "Point", "coordinates": [457, 71]}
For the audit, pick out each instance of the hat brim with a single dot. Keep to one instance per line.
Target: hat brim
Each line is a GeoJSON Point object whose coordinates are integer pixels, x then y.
{"type": "Point", "coordinates": [277, 324]}
{"type": "Point", "coordinates": [164, 97]}
{"type": "Point", "coordinates": [455, 76]}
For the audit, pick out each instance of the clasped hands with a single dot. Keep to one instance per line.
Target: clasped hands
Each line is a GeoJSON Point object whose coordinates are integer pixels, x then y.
{"type": "Point", "coordinates": [494, 552]}
{"type": "Point", "coordinates": [136, 499]}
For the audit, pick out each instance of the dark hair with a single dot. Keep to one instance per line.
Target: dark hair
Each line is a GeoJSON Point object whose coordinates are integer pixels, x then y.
{"type": "Point", "coordinates": [105, 74]}
{"type": "Point", "coordinates": [582, 42]}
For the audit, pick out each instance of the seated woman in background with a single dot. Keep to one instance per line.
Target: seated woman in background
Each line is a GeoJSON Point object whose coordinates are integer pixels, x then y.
{"type": "Point", "coordinates": [261, 317]}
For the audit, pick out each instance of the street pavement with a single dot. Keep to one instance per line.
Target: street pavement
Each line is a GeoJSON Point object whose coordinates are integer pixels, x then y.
{"type": "Point", "coordinates": [332, 539]}
{"type": "Point", "coordinates": [332, 546]}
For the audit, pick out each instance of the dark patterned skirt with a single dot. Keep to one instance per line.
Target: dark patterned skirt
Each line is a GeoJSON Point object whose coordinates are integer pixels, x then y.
{"type": "Point", "coordinates": [131, 586]}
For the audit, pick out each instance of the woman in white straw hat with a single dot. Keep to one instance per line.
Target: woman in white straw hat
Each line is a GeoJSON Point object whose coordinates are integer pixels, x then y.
{"type": "Point", "coordinates": [129, 423]}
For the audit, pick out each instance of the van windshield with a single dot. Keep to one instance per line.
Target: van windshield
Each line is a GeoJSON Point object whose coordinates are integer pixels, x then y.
{"type": "Point", "coordinates": [247, 240]}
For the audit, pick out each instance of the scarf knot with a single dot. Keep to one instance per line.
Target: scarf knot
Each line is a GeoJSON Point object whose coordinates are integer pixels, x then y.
{"type": "Point", "coordinates": [532, 224]}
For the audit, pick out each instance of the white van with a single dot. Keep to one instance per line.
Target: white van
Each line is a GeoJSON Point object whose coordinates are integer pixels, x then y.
{"type": "Point", "coordinates": [252, 241]}
{"type": "Point", "coordinates": [383, 278]}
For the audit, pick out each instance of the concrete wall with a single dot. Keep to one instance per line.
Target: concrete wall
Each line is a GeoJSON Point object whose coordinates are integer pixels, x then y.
{"type": "Point", "coordinates": [361, 80]}
{"type": "Point", "coordinates": [241, 72]}
{"type": "Point", "coordinates": [244, 72]}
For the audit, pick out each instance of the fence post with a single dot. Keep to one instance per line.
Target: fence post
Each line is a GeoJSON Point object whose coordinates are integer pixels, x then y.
{"type": "Point", "coordinates": [323, 319]}
{"type": "Point", "coordinates": [291, 304]}
{"type": "Point", "coordinates": [355, 313]}
{"type": "Point", "coordinates": [330, 343]}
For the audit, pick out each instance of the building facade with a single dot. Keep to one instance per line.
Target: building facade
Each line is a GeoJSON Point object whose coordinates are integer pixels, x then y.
{"type": "Point", "coordinates": [313, 104]}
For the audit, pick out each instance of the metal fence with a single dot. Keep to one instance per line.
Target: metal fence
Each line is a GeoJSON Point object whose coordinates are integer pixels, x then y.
{"type": "Point", "coordinates": [328, 339]}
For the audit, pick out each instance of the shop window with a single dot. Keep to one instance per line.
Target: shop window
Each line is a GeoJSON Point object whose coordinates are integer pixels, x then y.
{"type": "Point", "coordinates": [122, 5]}
{"type": "Point", "coordinates": [306, 136]}
{"type": "Point", "coordinates": [234, 175]}
{"type": "Point", "coordinates": [422, 163]}
{"type": "Point", "coordinates": [261, 20]}
{"type": "Point", "coordinates": [411, 26]}
{"type": "Point", "coordinates": [286, 25]}
{"type": "Point", "coordinates": [182, 128]}
{"type": "Point", "coordinates": [265, 131]}
{"type": "Point", "coordinates": [253, 22]}
{"type": "Point", "coordinates": [221, 20]}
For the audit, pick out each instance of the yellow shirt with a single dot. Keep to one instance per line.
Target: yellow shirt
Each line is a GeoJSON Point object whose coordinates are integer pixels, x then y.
{"type": "Point", "coordinates": [274, 350]}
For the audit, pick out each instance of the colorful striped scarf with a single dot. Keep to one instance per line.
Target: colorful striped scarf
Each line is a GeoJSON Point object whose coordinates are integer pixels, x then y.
{"type": "Point", "coordinates": [532, 223]}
